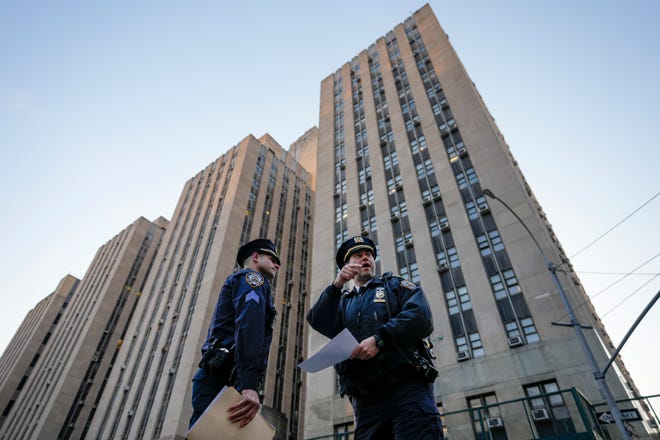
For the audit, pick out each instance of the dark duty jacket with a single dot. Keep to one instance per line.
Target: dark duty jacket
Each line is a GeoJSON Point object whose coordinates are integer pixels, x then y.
{"type": "Point", "coordinates": [399, 314]}
{"type": "Point", "coordinates": [243, 322]}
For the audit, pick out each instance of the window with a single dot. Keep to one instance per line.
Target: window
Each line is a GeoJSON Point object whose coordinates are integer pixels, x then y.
{"type": "Point", "coordinates": [477, 346]}
{"type": "Point", "coordinates": [462, 183]}
{"type": "Point", "coordinates": [453, 257]}
{"type": "Point", "coordinates": [498, 287]}
{"type": "Point", "coordinates": [341, 237]}
{"type": "Point", "coordinates": [471, 207]}
{"type": "Point", "coordinates": [393, 183]}
{"type": "Point", "coordinates": [511, 282]}
{"type": "Point", "coordinates": [549, 412]}
{"type": "Point", "coordinates": [367, 198]}
{"type": "Point", "coordinates": [496, 242]}
{"type": "Point", "coordinates": [403, 209]}
{"type": "Point", "coordinates": [529, 330]}
{"type": "Point", "coordinates": [512, 329]}
{"type": "Point", "coordinates": [391, 160]}
{"type": "Point", "coordinates": [452, 304]}
{"type": "Point", "coordinates": [364, 174]}
{"type": "Point", "coordinates": [414, 146]}
{"type": "Point", "coordinates": [484, 407]}
{"type": "Point", "coordinates": [434, 228]}
{"type": "Point", "coordinates": [464, 298]}
{"type": "Point", "coordinates": [411, 272]}
{"type": "Point", "coordinates": [471, 176]}
{"type": "Point", "coordinates": [340, 187]}
{"type": "Point", "coordinates": [361, 135]}
{"type": "Point", "coordinates": [369, 224]}
{"type": "Point", "coordinates": [341, 212]}
{"type": "Point", "coordinates": [339, 134]}
{"type": "Point", "coordinates": [424, 169]}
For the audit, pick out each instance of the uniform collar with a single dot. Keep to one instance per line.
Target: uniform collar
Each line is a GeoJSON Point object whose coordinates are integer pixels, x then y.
{"type": "Point", "coordinates": [371, 282]}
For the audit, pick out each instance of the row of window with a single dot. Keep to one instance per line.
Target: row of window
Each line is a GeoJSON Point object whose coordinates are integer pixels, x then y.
{"type": "Point", "coordinates": [463, 325]}
{"type": "Point", "coordinates": [495, 260]}
{"type": "Point", "coordinates": [511, 303]}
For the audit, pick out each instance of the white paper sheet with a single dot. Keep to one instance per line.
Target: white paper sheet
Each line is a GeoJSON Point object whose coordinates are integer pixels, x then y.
{"type": "Point", "coordinates": [338, 349]}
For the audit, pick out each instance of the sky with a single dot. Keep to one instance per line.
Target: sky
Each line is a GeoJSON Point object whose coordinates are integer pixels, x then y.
{"type": "Point", "coordinates": [108, 108]}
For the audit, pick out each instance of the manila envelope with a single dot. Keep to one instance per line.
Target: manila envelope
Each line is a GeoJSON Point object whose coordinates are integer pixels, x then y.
{"type": "Point", "coordinates": [214, 423]}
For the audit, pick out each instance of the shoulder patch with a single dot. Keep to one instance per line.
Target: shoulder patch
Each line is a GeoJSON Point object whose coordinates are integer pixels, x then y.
{"type": "Point", "coordinates": [254, 279]}
{"type": "Point", "coordinates": [408, 284]}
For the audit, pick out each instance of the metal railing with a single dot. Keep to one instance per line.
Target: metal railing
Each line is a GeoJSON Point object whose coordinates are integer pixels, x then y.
{"type": "Point", "coordinates": [564, 414]}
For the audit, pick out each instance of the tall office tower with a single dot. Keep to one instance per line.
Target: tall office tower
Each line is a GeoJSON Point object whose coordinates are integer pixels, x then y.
{"type": "Point", "coordinates": [256, 189]}
{"type": "Point", "coordinates": [21, 355]}
{"type": "Point", "coordinates": [304, 151]}
{"type": "Point", "coordinates": [406, 147]}
{"type": "Point", "coordinates": [62, 388]}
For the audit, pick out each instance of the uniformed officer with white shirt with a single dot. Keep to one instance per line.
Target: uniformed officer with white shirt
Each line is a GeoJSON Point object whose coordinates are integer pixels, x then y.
{"type": "Point", "coordinates": [392, 397]}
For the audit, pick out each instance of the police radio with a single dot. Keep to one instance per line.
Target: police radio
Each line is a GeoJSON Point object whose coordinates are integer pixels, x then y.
{"type": "Point", "coordinates": [424, 361]}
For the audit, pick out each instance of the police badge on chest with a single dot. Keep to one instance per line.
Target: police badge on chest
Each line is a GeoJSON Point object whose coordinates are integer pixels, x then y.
{"type": "Point", "coordinates": [380, 295]}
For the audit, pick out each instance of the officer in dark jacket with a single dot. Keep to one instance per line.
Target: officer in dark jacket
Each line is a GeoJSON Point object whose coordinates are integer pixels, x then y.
{"type": "Point", "coordinates": [242, 327]}
{"type": "Point", "coordinates": [390, 316]}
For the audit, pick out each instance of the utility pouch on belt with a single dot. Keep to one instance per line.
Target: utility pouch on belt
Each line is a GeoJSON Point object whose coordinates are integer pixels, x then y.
{"type": "Point", "coordinates": [215, 359]}
{"type": "Point", "coordinates": [424, 360]}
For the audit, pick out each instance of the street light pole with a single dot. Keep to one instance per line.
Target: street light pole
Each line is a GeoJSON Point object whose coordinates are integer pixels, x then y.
{"type": "Point", "coordinates": [632, 328]}
{"type": "Point", "coordinates": [604, 389]}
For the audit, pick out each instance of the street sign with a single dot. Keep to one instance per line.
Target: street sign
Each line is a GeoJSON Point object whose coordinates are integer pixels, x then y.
{"type": "Point", "coordinates": [629, 415]}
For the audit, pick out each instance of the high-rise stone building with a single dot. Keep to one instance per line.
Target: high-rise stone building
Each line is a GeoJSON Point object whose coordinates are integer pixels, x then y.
{"type": "Point", "coordinates": [26, 347]}
{"type": "Point", "coordinates": [406, 146]}
{"type": "Point", "coordinates": [256, 189]}
{"type": "Point", "coordinates": [404, 149]}
{"type": "Point", "coordinates": [79, 334]}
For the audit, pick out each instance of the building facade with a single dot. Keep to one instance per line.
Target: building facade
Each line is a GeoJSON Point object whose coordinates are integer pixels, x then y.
{"type": "Point", "coordinates": [26, 347]}
{"type": "Point", "coordinates": [256, 189]}
{"type": "Point", "coordinates": [404, 150]}
{"type": "Point", "coordinates": [80, 333]}
{"type": "Point", "coordinates": [406, 147]}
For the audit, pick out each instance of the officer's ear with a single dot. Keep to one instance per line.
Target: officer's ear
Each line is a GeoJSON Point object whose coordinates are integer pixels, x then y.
{"type": "Point", "coordinates": [252, 258]}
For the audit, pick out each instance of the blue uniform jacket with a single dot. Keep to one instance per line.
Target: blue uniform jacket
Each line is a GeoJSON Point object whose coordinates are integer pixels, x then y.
{"type": "Point", "coordinates": [366, 314]}
{"type": "Point", "coordinates": [243, 322]}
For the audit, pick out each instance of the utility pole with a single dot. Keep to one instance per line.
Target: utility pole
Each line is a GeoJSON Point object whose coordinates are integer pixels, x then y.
{"type": "Point", "coordinates": [599, 375]}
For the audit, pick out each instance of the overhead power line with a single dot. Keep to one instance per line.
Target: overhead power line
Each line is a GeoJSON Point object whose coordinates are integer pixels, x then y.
{"type": "Point", "coordinates": [615, 226]}
{"type": "Point", "coordinates": [627, 275]}
{"type": "Point", "coordinates": [646, 274]}
{"type": "Point", "coordinates": [628, 297]}
{"type": "Point", "coordinates": [616, 282]}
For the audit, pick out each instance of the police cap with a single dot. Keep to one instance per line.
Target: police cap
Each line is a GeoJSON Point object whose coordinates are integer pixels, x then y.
{"type": "Point", "coordinates": [260, 245]}
{"type": "Point", "coordinates": [353, 245]}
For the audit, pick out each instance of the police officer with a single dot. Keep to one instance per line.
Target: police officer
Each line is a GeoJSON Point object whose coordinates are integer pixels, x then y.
{"type": "Point", "coordinates": [391, 397]}
{"type": "Point", "coordinates": [241, 327]}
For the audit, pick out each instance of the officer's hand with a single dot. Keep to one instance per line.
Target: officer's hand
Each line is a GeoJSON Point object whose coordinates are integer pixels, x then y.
{"type": "Point", "coordinates": [346, 273]}
{"type": "Point", "coordinates": [366, 350]}
{"type": "Point", "coordinates": [245, 410]}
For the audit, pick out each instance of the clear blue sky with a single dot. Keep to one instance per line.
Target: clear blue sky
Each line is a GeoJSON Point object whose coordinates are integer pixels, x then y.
{"type": "Point", "coordinates": [107, 108]}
